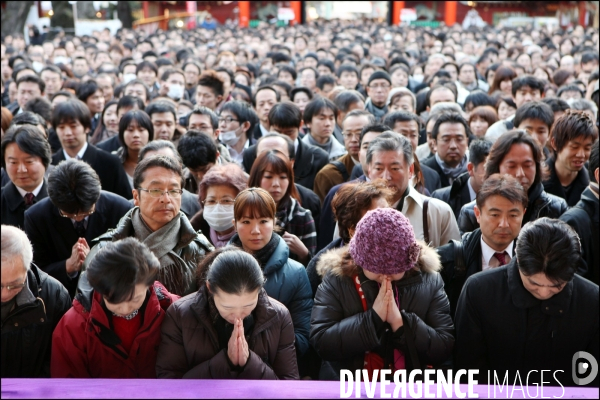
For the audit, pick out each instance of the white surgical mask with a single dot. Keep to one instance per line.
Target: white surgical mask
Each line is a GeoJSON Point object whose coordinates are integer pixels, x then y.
{"type": "Point", "coordinates": [230, 138]}
{"type": "Point", "coordinates": [418, 78]}
{"type": "Point", "coordinates": [37, 66]}
{"type": "Point", "coordinates": [219, 217]}
{"type": "Point", "coordinates": [62, 60]}
{"type": "Point", "coordinates": [175, 92]}
{"type": "Point", "coordinates": [128, 78]}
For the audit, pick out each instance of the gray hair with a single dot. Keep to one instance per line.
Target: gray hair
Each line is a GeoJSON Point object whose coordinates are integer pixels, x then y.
{"type": "Point", "coordinates": [446, 107]}
{"type": "Point", "coordinates": [582, 105]}
{"type": "Point", "coordinates": [391, 141]}
{"type": "Point", "coordinates": [15, 244]}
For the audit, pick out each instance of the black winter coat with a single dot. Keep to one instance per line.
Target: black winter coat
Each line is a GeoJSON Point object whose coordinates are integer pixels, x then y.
{"type": "Point", "coordinates": [456, 195]}
{"type": "Point", "coordinates": [553, 186]}
{"type": "Point", "coordinates": [27, 331]}
{"type": "Point", "coordinates": [501, 326]}
{"type": "Point", "coordinates": [584, 219]}
{"type": "Point", "coordinates": [341, 331]}
{"type": "Point", "coordinates": [541, 204]}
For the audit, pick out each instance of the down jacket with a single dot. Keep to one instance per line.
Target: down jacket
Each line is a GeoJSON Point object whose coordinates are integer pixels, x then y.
{"type": "Point", "coordinates": [85, 346]}
{"type": "Point", "coordinates": [189, 346]}
{"type": "Point", "coordinates": [341, 331]}
{"type": "Point", "coordinates": [27, 330]}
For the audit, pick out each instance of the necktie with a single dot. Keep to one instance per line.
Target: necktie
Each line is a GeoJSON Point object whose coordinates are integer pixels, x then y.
{"type": "Point", "coordinates": [29, 199]}
{"type": "Point", "coordinates": [501, 257]}
{"type": "Point", "coordinates": [80, 228]}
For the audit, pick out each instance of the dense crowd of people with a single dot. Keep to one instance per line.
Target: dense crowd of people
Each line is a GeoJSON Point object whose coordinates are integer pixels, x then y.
{"type": "Point", "coordinates": [287, 202]}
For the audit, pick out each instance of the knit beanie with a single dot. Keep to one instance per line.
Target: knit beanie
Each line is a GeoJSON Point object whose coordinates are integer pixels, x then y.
{"type": "Point", "coordinates": [384, 242]}
{"type": "Point", "coordinates": [379, 75]}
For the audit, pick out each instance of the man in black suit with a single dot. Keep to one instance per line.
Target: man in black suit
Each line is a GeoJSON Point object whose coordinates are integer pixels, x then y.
{"type": "Point", "coordinates": [25, 158]}
{"type": "Point", "coordinates": [76, 211]}
{"type": "Point", "coordinates": [72, 120]}
{"type": "Point", "coordinates": [501, 204]}
{"type": "Point", "coordinates": [407, 124]}
{"type": "Point", "coordinates": [285, 118]}
{"type": "Point", "coordinates": [451, 134]}
{"type": "Point", "coordinates": [464, 188]}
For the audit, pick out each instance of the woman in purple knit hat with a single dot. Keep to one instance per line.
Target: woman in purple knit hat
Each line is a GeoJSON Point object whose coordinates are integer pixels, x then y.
{"type": "Point", "coordinates": [382, 303]}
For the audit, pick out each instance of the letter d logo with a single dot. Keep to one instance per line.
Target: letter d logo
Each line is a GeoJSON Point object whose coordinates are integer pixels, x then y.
{"type": "Point", "coordinates": [582, 367]}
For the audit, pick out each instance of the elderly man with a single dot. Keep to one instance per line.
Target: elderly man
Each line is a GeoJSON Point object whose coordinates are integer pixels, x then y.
{"type": "Point", "coordinates": [32, 305]}
{"type": "Point", "coordinates": [158, 222]}
{"type": "Point", "coordinates": [390, 157]}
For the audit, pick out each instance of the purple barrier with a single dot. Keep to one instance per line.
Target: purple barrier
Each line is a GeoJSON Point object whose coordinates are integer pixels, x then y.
{"type": "Point", "coordinates": [162, 388]}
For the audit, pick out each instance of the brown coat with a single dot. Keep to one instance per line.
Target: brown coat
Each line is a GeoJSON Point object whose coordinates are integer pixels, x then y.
{"type": "Point", "coordinates": [329, 176]}
{"type": "Point", "coordinates": [189, 345]}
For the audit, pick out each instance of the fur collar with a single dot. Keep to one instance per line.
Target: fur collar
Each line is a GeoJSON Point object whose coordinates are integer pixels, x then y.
{"type": "Point", "coordinates": [340, 262]}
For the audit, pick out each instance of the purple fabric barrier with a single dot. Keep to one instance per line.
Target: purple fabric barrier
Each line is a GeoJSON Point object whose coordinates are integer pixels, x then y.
{"type": "Point", "coordinates": [161, 388]}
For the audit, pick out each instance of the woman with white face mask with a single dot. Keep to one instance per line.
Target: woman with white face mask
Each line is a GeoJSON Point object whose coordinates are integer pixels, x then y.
{"type": "Point", "coordinates": [217, 193]}
{"type": "Point", "coordinates": [236, 123]}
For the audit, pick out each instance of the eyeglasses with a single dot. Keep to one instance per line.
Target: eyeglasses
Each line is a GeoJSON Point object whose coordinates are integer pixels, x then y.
{"type": "Point", "coordinates": [10, 288]}
{"type": "Point", "coordinates": [349, 135]}
{"type": "Point", "coordinates": [380, 86]}
{"type": "Point", "coordinates": [223, 202]}
{"type": "Point", "coordinates": [228, 120]}
{"type": "Point", "coordinates": [74, 216]}
{"type": "Point", "coordinates": [156, 193]}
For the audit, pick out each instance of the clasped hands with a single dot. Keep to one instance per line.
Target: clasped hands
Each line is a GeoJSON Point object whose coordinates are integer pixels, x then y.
{"type": "Point", "coordinates": [385, 305]}
{"type": "Point", "coordinates": [237, 348]}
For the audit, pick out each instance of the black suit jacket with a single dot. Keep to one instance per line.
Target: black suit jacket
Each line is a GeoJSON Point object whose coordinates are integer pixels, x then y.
{"type": "Point", "coordinates": [13, 205]}
{"type": "Point", "coordinates": [432, 163]}
{"type": "Point", "coordinates": [109, 145]}
{"type": "Point", "coordinates": [456, 195]}
{"type": "Point", "coordinates": [432, 179]}
{"type": "Point", "coordinates": [107, 166]}
{"type": "Point", "coordinates": [310, 201]}
{"type": "Point", "coordinates": [53, 236]}
{"type": "Point", "coordinates": [309, 161]}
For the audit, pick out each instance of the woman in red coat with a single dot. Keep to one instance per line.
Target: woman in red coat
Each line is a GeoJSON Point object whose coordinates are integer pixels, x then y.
{"type": "Point", "coordinates": [113, 329]}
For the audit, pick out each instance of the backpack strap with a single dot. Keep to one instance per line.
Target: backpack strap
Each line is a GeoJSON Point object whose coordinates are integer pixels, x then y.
{"type": "Point", "coordinates": [460, 268]}
{"type": "Point", "coordinates": [342, 168]}
{"type": "Point", "coordinates": [425, 222]}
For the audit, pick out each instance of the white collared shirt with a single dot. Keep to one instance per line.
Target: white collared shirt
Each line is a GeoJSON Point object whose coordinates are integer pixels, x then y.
{"type": "Point", "coordinates": [296, 145]}
{"type": "Point", "coordinates": [472, 192]}
{"type": "Point", "coordinates": [263, 130]}
{"type": "Point", "coordinates": [35, 192]}
{"type": "Point", "coordinates": [487, 255]}
{"type": "Point", "coordinates": [79, 155]}
{"type": "Point", "coordinates": [236, 157]}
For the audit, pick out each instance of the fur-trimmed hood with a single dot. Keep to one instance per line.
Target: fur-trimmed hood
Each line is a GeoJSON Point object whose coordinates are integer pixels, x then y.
{"type": "Point", "coordinates": [340, 262]}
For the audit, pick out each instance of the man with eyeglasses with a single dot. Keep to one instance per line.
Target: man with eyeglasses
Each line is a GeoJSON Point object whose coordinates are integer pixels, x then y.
{"type": "Point", "coordinates": [32, 305]}
{"type": "Point", "coordinates": [451, 135]}
{"type": "Point", "coordinates": [76, 211]}
{"type": "Point", "coordinates": [337, 172]}
{"type": "Point", "coordinates": [378, 89]}
{"type": "Point", "coordinates": [156, 220]}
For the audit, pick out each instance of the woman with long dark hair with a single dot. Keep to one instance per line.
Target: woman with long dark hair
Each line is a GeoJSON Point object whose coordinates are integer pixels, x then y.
{"type": "Point", "coordinates": [108, 125]}
{"type": "Point", "coordinates": [135, 131]}
{"type": "Point", "coordinates": [273, 172]}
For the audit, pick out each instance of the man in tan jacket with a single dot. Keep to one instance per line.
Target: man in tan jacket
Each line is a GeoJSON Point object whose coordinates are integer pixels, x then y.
{"type": "Point", "coordinates": [340, 170]}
